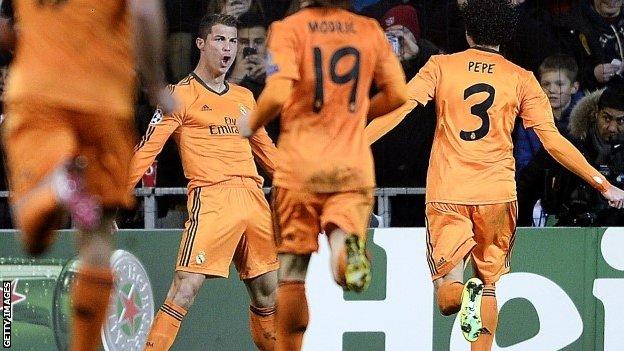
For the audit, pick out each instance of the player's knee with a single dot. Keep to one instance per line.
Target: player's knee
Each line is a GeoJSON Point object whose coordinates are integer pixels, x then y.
{"type": "Point", "coordinates": [447, 309]}
{"type": "Point", "coordinates": [186, 292]}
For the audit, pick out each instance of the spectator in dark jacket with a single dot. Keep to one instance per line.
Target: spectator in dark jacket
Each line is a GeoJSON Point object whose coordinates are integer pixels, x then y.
{"type": "Point", "coordinates": [558, 77]}
{"type": "Point", "coordinates": [596, 128]}
{"type": "Point", "coordinates": [593, 32]}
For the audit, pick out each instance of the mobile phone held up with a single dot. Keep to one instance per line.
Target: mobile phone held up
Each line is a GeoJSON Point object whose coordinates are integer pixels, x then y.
{"type": "Point", "coordinates": [394, 42]}
{"type": "Point", "coordinates": [247, 50]}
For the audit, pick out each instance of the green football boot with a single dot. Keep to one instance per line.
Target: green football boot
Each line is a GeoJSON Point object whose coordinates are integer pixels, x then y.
{"type": "Point", "coordinates": [358, 271]}
{"type": "Point", "coordinates": [470, 311]}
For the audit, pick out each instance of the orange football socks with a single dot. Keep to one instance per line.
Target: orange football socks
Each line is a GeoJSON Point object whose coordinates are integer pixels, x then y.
{"type": "Point", "coordinates": [489, 316]}
{"type": "Point", "coordinates": [90, 297]}
{"type": "Point", "coordinates": [165, 327]}
{"type": "Point", "coordinates": [262, 326]}
{"type": "Point", "coordinates": [292, 315]}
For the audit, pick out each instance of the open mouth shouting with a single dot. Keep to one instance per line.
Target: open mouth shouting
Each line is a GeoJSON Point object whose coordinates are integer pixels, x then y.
{"type": "Point", "coordinates": [225, 61]}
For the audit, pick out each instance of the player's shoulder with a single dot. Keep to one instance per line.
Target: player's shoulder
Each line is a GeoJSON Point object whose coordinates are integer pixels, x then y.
{"type": "Point", "coordinates": [182, 89]}
{"type": "Point", "coordinates": [239, 93]}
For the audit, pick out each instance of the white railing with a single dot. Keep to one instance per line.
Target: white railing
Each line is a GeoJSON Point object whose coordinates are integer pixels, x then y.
{"type": "Point", "coordinates": [150, 211]}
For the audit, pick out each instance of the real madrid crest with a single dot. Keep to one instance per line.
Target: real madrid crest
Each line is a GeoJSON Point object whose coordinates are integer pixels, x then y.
{"type": "Point", "coordinates": [156, 117]}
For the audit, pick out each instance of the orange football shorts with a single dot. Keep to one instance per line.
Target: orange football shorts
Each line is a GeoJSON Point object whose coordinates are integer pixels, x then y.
{"type": "Point", "coordinates": [300, 216]}
{"type": "Point", "coordinates": [485, 232]}
{"type": "Point", "coordinates": [40, 136]}
{"type": "Point", "coordinates": [228, 222]}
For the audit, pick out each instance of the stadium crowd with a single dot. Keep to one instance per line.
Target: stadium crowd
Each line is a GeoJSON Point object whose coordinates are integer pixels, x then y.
{"type": "Point", "coordinates": [574, 47]}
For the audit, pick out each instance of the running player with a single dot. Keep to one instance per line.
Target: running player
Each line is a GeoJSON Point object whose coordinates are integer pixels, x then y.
{"type": "Point", "coordinates": [69, 130]}
{"type": "Point", "coordinates": [319, 79]}
{"type": "Point", "coordinates": [229, 218]}
{"type": "Point", "coordinates": [471, 193]}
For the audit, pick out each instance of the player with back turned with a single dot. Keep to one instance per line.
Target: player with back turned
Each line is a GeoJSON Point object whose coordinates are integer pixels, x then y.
{"type": "Point", "coordinates": [323, 60]}
{"type": "Point", "coordinates": [471, 193]}
{"type": "Point", "coordinates": [69, 130]}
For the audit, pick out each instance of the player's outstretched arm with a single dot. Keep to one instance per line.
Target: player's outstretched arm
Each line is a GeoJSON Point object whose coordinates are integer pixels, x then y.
{"type": "Point", "coordinates": [159, 130]}
{"type": "Point", "coordinates": [149, 34]}
{"type": "Point", "coordinates": [382, 125]}
{"type": "Point", "coordinates": [275, 94]}
{"type": "Point", "coordinates": [568, 156]}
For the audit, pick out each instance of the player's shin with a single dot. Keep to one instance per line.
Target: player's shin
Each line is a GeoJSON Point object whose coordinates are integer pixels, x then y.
{"type": "Point", "coordinates": [489, 316]}
{"type": "Point", "coordinates": [292, 315]}
{"type": "Point", "coordinates": [165, 327]}
{"type": "Point", "coordinates": [262, 326]}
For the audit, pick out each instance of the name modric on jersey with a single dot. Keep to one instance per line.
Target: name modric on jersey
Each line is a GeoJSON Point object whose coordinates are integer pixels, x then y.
{"type": "Point", "coordinates": [331, 27]}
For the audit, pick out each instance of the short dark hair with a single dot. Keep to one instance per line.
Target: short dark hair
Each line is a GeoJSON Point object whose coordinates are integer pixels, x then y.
{"type": "Point", "coordinates": [489, 22]}
{"type": "Point", "coordinates": [561, 62]}
{"type": "Point", "coordinates": [206, 24]}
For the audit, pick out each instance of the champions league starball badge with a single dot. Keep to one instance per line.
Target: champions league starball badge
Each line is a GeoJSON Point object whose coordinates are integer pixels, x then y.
{"type": "Point", "coordinates": [131, 309]}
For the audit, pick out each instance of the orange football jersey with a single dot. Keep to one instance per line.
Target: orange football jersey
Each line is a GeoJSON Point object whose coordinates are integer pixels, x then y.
{"type": "Point", "coordinates": [74, 53]}
{"type": "Point", "coordinates": [478, 95]}
{"type": "Point", "coordinates": [332, 56]}
{"type": "Point", "coordinates": [204, 127]}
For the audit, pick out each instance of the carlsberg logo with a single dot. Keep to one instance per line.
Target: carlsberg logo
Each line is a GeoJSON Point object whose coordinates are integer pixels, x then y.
{"type": "Point", "coordinates": [565, 292]}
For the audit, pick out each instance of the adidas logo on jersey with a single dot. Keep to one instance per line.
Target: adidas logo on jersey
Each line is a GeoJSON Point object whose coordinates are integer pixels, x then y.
{"type": "Point", "coordinates": [206, 108]}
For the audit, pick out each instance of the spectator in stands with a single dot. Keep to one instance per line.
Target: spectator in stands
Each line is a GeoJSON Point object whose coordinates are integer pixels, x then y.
{"type": "Point", "coordinates": [597, 130]}
{"type": "Point", "coordinates": [534, 38]}
{"type": "Point", "coordinates": [183, 17]}
{"type": "Point", "coordinates": [593, 32]}
{"type": "Point", "coordinates": [558, 77]}
{"type": "Point", "coordinates": [236, 8]}
{"type": "Point", "coordinates": [249, 69]}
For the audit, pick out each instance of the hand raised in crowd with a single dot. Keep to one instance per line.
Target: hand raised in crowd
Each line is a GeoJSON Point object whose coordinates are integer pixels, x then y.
{"type": "Point", "coordinates": [408, 44]}
{"type": "Point", "coordinates": [615, 196]}
{"type": "Point", "coordinates": [604, 72]}
{"type": "Point", "coordinates": [255, 66]}
{"type": "Point", "coordinates": [236, 7]}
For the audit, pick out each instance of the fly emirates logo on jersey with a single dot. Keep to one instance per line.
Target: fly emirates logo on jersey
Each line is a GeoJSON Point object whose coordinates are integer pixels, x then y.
{"type": "Point", "coordinates": [227, 128]}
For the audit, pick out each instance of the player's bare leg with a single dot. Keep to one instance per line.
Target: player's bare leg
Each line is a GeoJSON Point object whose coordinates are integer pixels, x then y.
{"type": "Point", "coordinates": [180, 297]}
{"type": "Point", "coordinates": [262, 292]}
{"type": "Point", "coordinates": [350, 266]}
{"type": "Point", "coordinates": [41, 210]}
{"type": "Point", "coordinates": [292, 306]}
{"type": "Point", "coordinates": [448, 290]}
{"type": "Point", "coordinates": [93, 285]}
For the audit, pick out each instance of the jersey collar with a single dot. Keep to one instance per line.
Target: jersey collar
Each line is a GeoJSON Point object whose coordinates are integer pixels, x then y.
{"type": "Point", "coordinates": [200, 81]}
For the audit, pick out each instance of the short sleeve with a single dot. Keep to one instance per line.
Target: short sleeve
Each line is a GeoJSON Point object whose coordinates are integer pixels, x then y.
{"type": "Point", "coordinates": [422, 87]}
{"type": "Point", "coordinates": [534, 105]}
{"type": "Point", "coordinates": [282, 52]}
